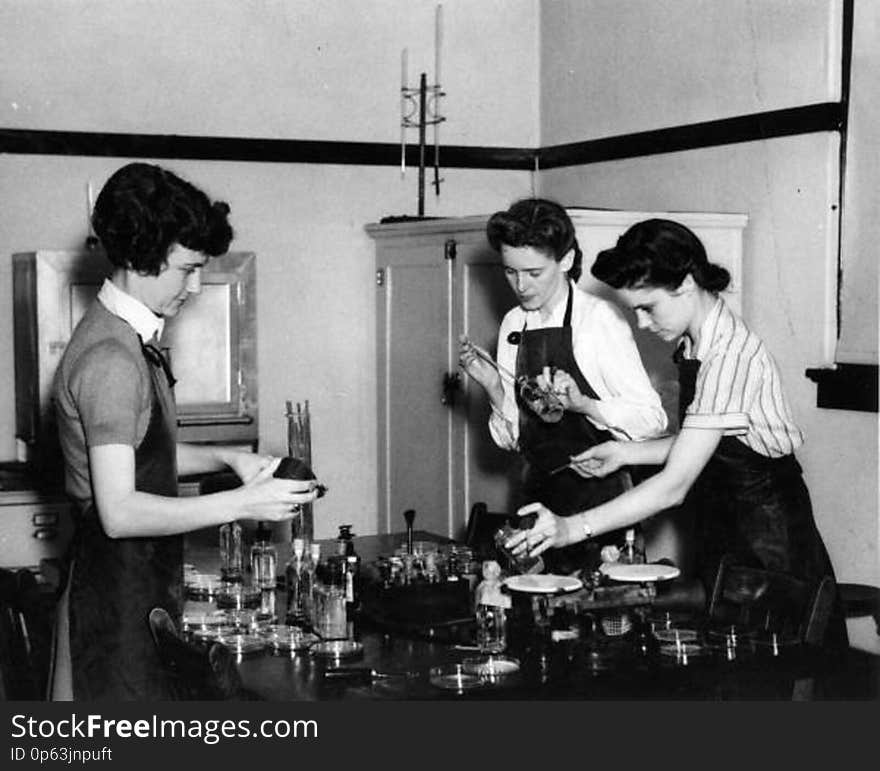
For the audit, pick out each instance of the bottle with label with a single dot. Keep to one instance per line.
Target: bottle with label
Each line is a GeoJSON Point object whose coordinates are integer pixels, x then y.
{"type": "Point", "coordinates": [231, 552]}
{"type": "Point", "coordinates": [293, 575]}
{"type": "Point", "coordinates": [491, 606]}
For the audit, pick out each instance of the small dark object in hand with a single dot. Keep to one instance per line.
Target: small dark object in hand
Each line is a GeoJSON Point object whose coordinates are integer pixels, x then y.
{"type": "Point", "coordinates": [294, 468]}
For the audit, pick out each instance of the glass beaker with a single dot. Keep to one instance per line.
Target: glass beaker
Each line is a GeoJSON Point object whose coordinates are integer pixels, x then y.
{"type": "Point", "coordinates": [491, 628]}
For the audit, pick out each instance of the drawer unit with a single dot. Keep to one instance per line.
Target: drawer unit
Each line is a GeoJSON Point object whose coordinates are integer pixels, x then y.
{"type": "Point", "coordinates": [33, 527]}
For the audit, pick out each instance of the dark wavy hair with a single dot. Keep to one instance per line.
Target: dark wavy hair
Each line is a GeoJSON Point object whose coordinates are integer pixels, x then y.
{"type": "Point", "coordinates": [659, 253]}
{"type": "Point", "coordinates": [539, 223]}
{"type": "Point", "coordinates": [143, 210]}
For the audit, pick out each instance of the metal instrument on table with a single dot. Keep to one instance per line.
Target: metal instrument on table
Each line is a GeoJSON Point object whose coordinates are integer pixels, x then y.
{"type": "Point", "coordinates": [409, 515]}
{"type": "Point", "coordinates": [363, 675]}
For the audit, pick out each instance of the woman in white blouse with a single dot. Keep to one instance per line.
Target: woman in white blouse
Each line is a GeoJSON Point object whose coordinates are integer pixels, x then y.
{"type": "Point", "coordinates": [576, 346]}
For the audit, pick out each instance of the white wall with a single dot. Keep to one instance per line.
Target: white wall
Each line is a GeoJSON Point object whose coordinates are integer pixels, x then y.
{"type": "Point", "coordinates": [306, 70]}
{"type": "Point", "coordinates": [619, 66]}
{"type": "Point", "coordinates": [747, 57]}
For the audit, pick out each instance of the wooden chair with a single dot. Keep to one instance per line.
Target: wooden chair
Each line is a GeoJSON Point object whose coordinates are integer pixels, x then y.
{"type": "Point", "coordinates": [860, 600]}
{"type": "Point", "coordinates": [25, 636]}
{"type": "Point", "coordinates": [196, 671]}
{"type": "Point", "coordinates": [771, 600]}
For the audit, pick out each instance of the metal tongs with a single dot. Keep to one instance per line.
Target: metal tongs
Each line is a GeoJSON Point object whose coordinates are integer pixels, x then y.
{"type": "Point", "coordinates": [542, 401]}
{"type": "Point", "coordinates": [363, 675]}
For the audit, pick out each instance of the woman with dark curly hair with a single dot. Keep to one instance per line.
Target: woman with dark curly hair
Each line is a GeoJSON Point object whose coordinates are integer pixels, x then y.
{"type": "Point", "coordinates": [735, 451]}
{"type": "Point", "coordinates": [575, 347]}
{"type": "Point", "coordinates": [117, 423]}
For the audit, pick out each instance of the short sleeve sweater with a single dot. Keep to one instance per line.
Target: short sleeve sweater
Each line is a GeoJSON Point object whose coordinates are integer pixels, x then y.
{"type": "Point", "coordinates": [102, 393]}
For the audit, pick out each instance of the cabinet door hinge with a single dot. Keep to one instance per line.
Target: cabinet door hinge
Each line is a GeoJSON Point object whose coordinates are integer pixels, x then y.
{"type": "Point", "coordinates": [449, 249]}
{"type": "Point", "coordinates": [380, 277]}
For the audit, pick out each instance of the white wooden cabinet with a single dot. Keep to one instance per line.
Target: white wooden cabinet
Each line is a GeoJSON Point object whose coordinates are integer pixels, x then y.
{"type": "Point", "coordinates": [211, 344]}
{"type": "Point", "coordinates": [438, 279]}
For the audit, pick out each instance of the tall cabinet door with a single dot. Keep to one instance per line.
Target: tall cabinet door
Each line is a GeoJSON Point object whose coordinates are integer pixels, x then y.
{"type": "Point", "coordinates": [482, 296]}
{"type": "Point", "coordinates": [437, 279]}
{"type": "Point", "coordinates": [415, 426]}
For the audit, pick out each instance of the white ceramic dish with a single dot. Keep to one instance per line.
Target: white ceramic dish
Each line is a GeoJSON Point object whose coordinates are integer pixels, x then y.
{"type": "Point", "coordinates": [638, 573]}
{"type": "Point", "coordinates": [544, 583]}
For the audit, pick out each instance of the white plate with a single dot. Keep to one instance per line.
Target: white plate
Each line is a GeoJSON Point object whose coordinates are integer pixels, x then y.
{"type": "Point", "coordinates": [638, 573]}
{"type": "Point", "coordinates": [543, 583]}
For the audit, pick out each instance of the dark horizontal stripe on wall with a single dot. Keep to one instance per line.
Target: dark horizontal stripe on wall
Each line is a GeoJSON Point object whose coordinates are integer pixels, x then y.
{"type": "Point", "coordinates": [88, 143]}
{"type": "Point", "coordinates": [827, 116]}
{"type": "Point", "coordinates": [743, 128]}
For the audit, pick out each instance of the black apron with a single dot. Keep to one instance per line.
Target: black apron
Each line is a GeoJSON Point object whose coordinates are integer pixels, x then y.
{"type": "Point", "coordinates": [756, 508]}
{"type": "Point", "coordinates": [116, 582]}
{"type": "Point", "coordinates": [547, 446]}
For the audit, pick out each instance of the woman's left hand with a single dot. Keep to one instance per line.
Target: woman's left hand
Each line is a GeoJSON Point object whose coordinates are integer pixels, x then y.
{"type": "Point", "coordinates": [248, 465]}
{"type": "Point", "coordinates": [564, 388]}
{"type": "Point", "coordinates": [550, 531]}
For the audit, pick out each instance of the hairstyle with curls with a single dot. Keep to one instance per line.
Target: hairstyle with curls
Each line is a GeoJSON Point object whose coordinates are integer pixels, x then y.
{"type": "Point", "coordinates": [143, 210]}
{"type": "Point", "coordinates": [539, 223]}
{"type": "Point", "coordinates": [658, 253]}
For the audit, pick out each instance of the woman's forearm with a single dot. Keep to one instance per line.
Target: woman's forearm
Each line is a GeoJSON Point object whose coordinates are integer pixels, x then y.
{"type": "Point", "coordinates": [140, 514]}
{"type": "Point", "coordinates": [652, 452]}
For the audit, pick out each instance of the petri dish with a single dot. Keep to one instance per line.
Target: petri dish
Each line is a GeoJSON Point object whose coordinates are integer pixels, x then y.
{"type": "Point", "coordinates": [683, 653]}
{"type": "Point", "coordinates": [337, 649]}
{"type": "Point", "coordinates": [201, 586]}
{"type": "Point", "coordinates": [672, 636]}
{"type": "Point", "coordinates": [283, 638]}
{"type": "Point", "coordinates": [243, 644]}
{"type": "Point", "coordinates": [492, 669]}
{"type": "Point", "coordinates": [454, 677]}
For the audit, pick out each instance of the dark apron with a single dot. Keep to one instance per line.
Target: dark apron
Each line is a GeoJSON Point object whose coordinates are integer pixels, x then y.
{"type": "Point", "coordinates": [757, 509]}
{"type": "Point", "coordinates": [546, 446]}
{"type": "Point", "coordinates": [116, 582]}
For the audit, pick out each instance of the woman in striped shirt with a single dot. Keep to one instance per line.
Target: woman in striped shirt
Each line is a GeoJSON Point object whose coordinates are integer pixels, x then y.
{"type": "Point", "coordinates": [735, 451]}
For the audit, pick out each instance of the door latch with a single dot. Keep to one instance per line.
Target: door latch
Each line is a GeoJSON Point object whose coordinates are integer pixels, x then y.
{"type": "Point", "coordinates": [451, 385]}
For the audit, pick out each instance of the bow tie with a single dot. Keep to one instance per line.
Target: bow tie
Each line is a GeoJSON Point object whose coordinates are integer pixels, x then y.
{"type": "Point", "coordinates": [154, 355]}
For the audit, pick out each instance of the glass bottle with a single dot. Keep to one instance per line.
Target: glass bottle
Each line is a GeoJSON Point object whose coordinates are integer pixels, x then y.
{"type": "Point", "coordinates": [263, 569]}
{"type": "Point", "coordinates": [308, 580]}
{"type": "Point", "coordinates": [516, 564]}
{"type": "Point", "coordinates": [230, 552]}
{"type": "Point", "coordinates": [490, 606]}
{"type": "Point", "coordinates": [263, 559]}
{"type": "Point", "coordinates": [631, 553]}
{"type": "Point", "coordinates": [295, 608]}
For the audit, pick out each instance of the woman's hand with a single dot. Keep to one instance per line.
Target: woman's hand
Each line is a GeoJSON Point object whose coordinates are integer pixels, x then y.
{"type": "Point", "coordinates": [475, 362]}
{"type": "Point", "coordinates": [600, 460]}
{"type": "Point", "coordinates": [248, 465]}
{"type": "Point", "coordinates": [564, 387]}
{"type": "Point", "coordinates": [274, 500]}
{"type": "Point", "coordinates": [549, 532]}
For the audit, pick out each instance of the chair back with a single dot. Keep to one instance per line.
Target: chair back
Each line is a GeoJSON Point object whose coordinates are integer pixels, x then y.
{"type": "Point", "coordinates": [196, 671]}
{"type": "Point", "coordinates": [772, 601]}
{"type": "Point", "coordinates": [25, 636]}
{"type": "Point", "coordinates": [481, 527]}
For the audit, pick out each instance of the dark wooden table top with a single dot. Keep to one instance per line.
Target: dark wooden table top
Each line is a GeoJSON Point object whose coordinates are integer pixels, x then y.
{"type": "Point", "coordinates": [398, 665]}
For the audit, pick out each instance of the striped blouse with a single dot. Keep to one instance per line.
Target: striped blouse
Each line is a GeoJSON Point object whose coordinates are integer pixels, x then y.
{"type": "Point", "coordinates": [739, 387]}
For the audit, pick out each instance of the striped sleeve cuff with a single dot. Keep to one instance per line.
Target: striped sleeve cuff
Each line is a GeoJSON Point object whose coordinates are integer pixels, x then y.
{"type": "Point", "coordinates": [731, 423]}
